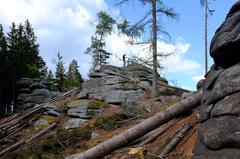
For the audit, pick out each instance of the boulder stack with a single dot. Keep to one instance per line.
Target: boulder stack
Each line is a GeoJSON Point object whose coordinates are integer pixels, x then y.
{"type": "Point", "coordinates": [32, 91]}
{"type": "Point", "coordinates": [219, 132]}
{"type": "Point", "coordinates": [225, 44]}
{"type": "Point", "coordinates": [120, 86]}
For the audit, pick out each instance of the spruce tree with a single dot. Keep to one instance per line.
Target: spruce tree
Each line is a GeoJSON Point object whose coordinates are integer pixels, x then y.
{"type": "Point", "coordinates": [74, 78]}
{"type": "Point", "coordinates": [32, 49]}
{"type": "Point", "coordinates": [60, 72]}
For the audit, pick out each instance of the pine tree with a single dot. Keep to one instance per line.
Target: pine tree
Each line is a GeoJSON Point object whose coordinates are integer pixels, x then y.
{"type": "Point", "coordinates": [74, 78]}
{"type": "Point", "coordinates": [60, 72]}
{"type": "Point", "coordinates": [96, 50]}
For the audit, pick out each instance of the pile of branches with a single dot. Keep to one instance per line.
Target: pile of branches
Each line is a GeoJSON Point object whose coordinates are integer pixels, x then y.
{"type": "Point", "coordinates": [17, 122]}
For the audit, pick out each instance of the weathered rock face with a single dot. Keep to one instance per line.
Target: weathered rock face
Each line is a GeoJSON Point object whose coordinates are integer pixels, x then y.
{"type": "Point", "coordinates": [225, 44]}
{"type": "Point", "coordinates": [219, 133]}
{"type": "Point", "coordinates": [219, 114]}
{"type": "Point", "coordinates": [32, 91]}
{"type": "Point", "coordinates": [122, 86]}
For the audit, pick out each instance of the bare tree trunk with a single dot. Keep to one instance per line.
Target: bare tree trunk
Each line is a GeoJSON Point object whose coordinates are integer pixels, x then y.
{"type": "Point", "coordinates": [206, 36]}
{"type": "Point", "coordinates": [154, 49]}
{"type": "Point", "coordinates": [140, 129]}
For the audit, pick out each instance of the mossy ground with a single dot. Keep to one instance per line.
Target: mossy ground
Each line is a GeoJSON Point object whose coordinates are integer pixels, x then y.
{"type": "Point", "coordinates": [49, 120]}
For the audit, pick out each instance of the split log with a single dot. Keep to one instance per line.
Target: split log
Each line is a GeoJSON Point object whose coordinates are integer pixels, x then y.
{"type": "Point", "coordinates": [22, 142]}
{"type": "Point", "coordinates": [176, 140]}
{"type": "Point", "coordinates": [140, 129]}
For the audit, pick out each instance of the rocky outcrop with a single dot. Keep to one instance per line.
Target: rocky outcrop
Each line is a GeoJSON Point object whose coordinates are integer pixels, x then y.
{"type": "Point", "coordinates": [32, 91]}
{"type": "Point", "coordinates": [225, 44]}
{"type": "Point", "coordinates": [219, 133]}
{"type": "Point", "coordinates": [121, 86]}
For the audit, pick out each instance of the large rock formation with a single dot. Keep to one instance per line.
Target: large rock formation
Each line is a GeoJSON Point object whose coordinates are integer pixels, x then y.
{"type": "Point", "coordinates": [121, 86]}
{"type": "Point", "coordinates": [219, 133]}
{"type": "Point", "coordinates": [32, 91]}
{"type": "Point", "coordinates": [225, 44]}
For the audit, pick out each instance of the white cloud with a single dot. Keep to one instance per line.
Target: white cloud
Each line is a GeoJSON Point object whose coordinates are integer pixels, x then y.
{"type": "Point", "coordinates": [66, 26]}
{"type": "Point", "coordinates": [176, 63]}
{"type": "Point", "coordinates": [60, 25]}
{"type": "Point", "coordinates": [198, 78]}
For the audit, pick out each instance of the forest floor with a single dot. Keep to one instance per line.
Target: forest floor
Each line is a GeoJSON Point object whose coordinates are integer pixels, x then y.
{"type": "Point", "coordinates": [60, 143]}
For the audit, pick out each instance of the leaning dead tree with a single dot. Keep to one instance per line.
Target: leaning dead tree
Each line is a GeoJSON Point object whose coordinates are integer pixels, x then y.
{"type": "Point", "coordinates": [140, 129]}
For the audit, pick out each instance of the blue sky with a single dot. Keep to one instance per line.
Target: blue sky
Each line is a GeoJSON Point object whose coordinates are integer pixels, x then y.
{"type": "Point", "coordinates": [66, 26]}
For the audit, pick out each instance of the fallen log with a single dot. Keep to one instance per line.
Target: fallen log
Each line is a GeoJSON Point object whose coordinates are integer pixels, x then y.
{"type": "Point", "coordinates": [22, 142]}
{"type": "Point", "coordinates": [149, 134]}
{"type": "Point", "coordinates": [157, 133]}
{"type": "Point", "coordinates": [178, 138]}
{"type": "Point", "coordinates": [140, 129]}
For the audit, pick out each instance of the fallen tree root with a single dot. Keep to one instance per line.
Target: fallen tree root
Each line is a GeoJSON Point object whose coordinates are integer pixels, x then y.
{"type": "Point", "coordinates": [140, 129]}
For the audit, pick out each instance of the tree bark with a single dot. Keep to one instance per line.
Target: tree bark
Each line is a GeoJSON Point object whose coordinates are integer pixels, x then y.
{"type": "Point", "coordinates": [140, 129]}
{"type": "Point", "coordinates": [154, 49]}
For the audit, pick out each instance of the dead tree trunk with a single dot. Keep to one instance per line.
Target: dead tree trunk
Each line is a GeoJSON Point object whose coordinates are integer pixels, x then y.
{"type": "Point", "coordinates": [140, 129]}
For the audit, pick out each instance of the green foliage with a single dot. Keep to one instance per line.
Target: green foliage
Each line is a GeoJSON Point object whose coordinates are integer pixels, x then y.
{"type": "Point", "coordinates": [96, 50]}
{"type": "Point", "coordinates": [33, 71]}
{"type": "Point", "coordinates": [74, 78]}
{"type": "Point", "coordinates": [60, 72]}
{"type": "Point", "coordinates": [19, 56]}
